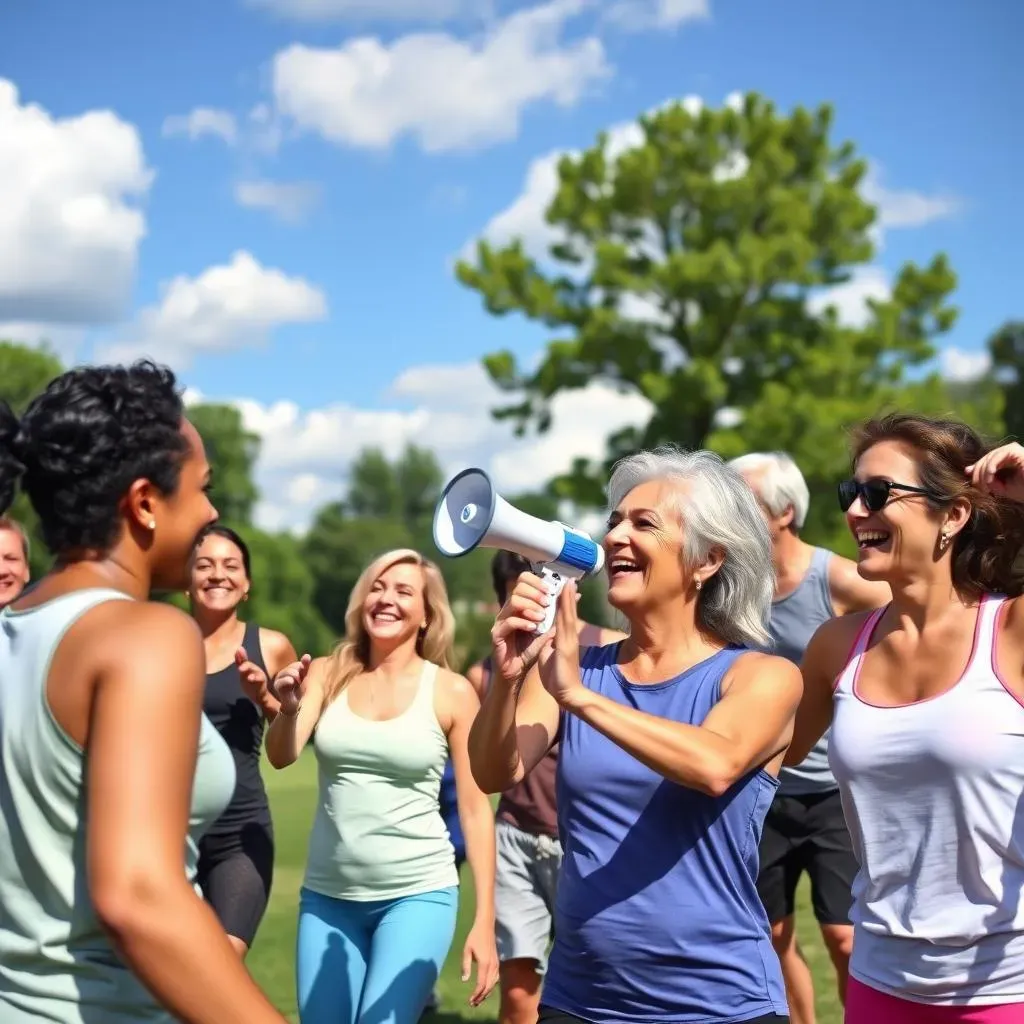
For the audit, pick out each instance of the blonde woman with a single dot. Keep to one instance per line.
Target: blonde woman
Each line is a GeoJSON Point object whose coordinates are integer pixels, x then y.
{"type": "Point", "coordinates": [379, 899]}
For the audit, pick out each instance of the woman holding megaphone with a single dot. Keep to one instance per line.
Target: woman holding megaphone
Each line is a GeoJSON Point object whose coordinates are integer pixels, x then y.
{"type": "Point", "coordinates": [379, 899]}
{"type": "Point", "coordinates": [670, 744]}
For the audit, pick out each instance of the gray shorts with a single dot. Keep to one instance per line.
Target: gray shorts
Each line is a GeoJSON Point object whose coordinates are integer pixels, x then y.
{"type": "Point", "coordinates": [524, 893]}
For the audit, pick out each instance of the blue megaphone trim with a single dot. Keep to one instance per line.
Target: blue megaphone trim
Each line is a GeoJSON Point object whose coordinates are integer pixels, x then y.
{"type": "Point", "coordinates": [579, 552]}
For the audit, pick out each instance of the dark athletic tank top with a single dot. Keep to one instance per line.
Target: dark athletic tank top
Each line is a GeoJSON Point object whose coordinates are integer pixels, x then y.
{"type": "Point", "coordinates": [241, 724]}
{"type": "Point", "coordinates": [530, 804]}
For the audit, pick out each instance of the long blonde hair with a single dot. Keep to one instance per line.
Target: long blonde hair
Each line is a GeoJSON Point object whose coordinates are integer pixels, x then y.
{"type": "Point", "coordinates": [351, 656]}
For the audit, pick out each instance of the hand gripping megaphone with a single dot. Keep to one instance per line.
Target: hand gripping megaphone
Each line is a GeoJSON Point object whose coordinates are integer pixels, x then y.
{"type": "Point", "coordinates": [471, 514]}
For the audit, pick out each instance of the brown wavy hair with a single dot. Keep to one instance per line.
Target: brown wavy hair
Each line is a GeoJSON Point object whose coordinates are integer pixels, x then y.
{"type": "Point", "coordinates": [988, 553]}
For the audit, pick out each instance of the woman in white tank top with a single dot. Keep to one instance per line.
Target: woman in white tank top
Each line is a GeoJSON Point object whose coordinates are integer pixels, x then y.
{"type": "Point", "coordinates": [380, 895]}
{"type": "Point", "coordinates": [926, 702]}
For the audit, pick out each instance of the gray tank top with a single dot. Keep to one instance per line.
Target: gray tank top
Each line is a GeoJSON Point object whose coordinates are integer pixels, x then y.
{"type": "Point", "coordinates": [56, 962]}
{"type": "Point", "coordinates": [794, 620]}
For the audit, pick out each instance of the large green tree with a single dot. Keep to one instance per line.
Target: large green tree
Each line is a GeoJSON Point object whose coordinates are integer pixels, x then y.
{"type": "Point", "coordinates": [690, 269]}
{"type": "Point", "coordinates": [1006, 347]}
{"type": "Point", "coordinates": [24, 372]}
{"type": "Point", "coordinates": [232, 452]}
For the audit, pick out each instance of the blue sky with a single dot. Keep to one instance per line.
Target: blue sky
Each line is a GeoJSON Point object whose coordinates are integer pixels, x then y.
{"type": "Point", "coordinates": [276, 179]}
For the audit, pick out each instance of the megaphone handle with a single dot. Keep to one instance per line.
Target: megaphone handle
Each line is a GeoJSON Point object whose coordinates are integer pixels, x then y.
{"type": "Point", "coordinates": [555, 582]}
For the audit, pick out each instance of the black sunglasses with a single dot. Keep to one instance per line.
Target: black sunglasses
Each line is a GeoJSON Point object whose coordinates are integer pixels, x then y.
{"type": "Point", "coordinates": [874, 493]}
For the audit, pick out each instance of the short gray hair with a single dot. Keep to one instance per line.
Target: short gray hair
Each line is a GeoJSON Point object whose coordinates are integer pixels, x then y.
{"type": "Point", "coordinates": [718, 509]}
{"type": "Point", "coordinates": [781, 486]}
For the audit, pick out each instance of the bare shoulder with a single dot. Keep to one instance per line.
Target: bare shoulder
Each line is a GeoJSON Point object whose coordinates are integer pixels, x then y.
{"type": "Point", "coordinates": [758, 671]}
{"type": "Point", "coordinates": [277, 649]}
{"type": "Point", "coordinates": [145, 624]}
{"type": "Point", "coordinates": [830, 646]}
{"type": "Point", "coordinates": [455, 687]}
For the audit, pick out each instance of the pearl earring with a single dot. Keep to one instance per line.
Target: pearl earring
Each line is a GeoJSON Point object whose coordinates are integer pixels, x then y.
{"type": "Point", "coordinates": [698, 584]}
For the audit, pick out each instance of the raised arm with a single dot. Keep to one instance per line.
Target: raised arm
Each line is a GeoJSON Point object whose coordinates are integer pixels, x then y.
{"type": "Point", "coordinates": [142, 746]}
{"type": "Point", "coordinates": [299, 689]}
{"type": "Point", "coordinates": [749, 727]}
{"type": "Point", "coordinates": [518, 720]}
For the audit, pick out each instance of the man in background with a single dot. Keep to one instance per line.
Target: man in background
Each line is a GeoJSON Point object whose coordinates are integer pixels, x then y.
{"type": "Point", "coordinates": [14, 573]}
{"type": "Point", "coordinates": [805, 829]}
{"type": "Point", "coordinates": [529, 855]}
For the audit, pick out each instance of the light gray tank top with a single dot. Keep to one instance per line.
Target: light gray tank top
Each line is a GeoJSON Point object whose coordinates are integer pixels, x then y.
{"type": "Point", "coordinates": [56, 963]}
{"type": "Point", "coordinates": [794, 620]}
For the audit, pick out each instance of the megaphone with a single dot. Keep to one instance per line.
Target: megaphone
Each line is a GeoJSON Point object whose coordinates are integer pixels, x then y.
{"type": "Point", "coordinates": [471, 514]}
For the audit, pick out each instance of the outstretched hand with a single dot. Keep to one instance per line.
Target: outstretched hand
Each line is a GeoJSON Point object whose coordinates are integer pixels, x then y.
{"type": "Point", "coordinates": [289, 685]}
{"type": "Point", "coordinates": [254, 680]}
{"type": "Point", "coordinates": [1001, 472]}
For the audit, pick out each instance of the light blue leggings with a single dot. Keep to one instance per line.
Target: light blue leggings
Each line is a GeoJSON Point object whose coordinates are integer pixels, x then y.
{"type": "Point", "coordinates": [371, 962]}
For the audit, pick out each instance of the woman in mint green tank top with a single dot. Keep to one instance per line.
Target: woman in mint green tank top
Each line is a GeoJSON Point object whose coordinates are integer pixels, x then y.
{"type": "Point", "coordinates": [379, 899]}
{"type": "Point", "coordinates": [109, 772]}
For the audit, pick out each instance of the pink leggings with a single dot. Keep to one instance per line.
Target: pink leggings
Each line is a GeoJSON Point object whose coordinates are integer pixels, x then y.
{"type": "Point", "coordinates": [866, 1005]}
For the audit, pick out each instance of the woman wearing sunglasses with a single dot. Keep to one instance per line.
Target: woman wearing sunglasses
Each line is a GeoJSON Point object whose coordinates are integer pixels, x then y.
{"type": "Point", "coordinates": [926, 702]}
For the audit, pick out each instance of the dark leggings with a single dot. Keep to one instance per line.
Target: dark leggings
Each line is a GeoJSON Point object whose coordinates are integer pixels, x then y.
{"type": "Point", "coordinates": [550, 1016]}
{"type": "Point", "coordinates": [235, 872]}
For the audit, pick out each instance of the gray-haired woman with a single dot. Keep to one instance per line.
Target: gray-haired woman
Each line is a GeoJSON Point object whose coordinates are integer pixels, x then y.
{"type": "Point", "coordinates": [671, 741]}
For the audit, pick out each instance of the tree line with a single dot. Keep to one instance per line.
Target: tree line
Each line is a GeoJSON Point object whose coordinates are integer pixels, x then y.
{"type": "Point", "coordinates": [691, 267]}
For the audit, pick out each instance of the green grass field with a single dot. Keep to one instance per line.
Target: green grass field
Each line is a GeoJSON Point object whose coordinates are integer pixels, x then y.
{"type": "Point", "coordinates": [292, 797]}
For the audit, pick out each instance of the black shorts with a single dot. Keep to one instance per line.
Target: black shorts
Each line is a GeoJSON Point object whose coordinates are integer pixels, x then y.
{"type": "Point", "coordinates": [235, 873]}
{"type": "Point", "coordinates": [807, 833]}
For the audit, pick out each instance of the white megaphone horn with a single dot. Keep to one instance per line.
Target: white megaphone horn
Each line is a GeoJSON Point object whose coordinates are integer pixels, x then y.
{"type": "Point", "coordinates": [471, 514]}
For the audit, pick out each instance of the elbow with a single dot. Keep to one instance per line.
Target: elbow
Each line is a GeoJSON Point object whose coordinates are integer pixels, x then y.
{"type": "Point", "coordinates": [717, 776]}
{"type": "Point", "coordinates": [128, 902]}
{"type": "Point", "coordinates": [278, 759]}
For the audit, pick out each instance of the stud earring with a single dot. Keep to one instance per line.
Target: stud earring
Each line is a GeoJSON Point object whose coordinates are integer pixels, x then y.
{"type": "Point", "coordinates": [698, 584]}
{"type": "Point", "coordinates": [152, 524]}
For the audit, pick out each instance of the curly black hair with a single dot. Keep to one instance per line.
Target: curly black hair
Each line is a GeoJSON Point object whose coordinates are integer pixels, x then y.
{"type": "Point", "coordinates": [220, 530]}
{"type": "Point", "coordinates": [83, 441]}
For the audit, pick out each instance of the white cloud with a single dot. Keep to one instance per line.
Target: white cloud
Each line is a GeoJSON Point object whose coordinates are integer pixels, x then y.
{"type": "Point", "coordinates": [378, 10]}
{"type": "Point", "coordinates": [905, 208]}
{"type": "Point", "coordinates": [958, 364]}
{"type": "Point", "coordinates": [445, 92]}
{"type": "Point", "coordinates": [203, 121]}
{"type": "Point", "coordinates": [69, 229]}
{"type": "Point", "coordinates": [231, 306]}
{"type": "Point", "coordinates": [306, 454]}
{"type": "Point", "coordinates": [850, 298]}
{"type": "Point", "coordinates": [289, 201]}
{"type": "Point", "coordinates": [524, 218]}
{"type": "Point", "coordinates": [644, 15]}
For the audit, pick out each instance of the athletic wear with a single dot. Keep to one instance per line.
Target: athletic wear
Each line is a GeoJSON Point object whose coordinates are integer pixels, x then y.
{"type": "Point", "coordinates": [371, 961]}
{"type": "Point", "coordinates": [529, 805]}
{"type": "Point", "coordinates": [56, 962]}
{"type": "Point", "coordinates": [794, 620]}
{"type": "Point", "coordinates": [236, 871]}
{"type": "Point", "coordinates": [933, 795]}
{"type": "Point", "coordinates": [657, 915]}
{"type": "Point", "coordinates": [378, 832]}
{"type": "Point", "coordinates": [807, 833]}
{"type": "Point", "coordinates": [525, 884]}
{"type": "Point", "coordinates": [241, 723]}
{"type": "Point", "coordinates": [236, 856]}
{"type": "Point", "coordinates": [867, 1006]}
